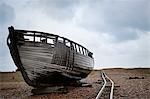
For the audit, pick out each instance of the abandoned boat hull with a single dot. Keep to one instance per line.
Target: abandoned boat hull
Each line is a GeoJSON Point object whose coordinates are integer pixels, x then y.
{"type": "Point", "coordinates": [44, 63]}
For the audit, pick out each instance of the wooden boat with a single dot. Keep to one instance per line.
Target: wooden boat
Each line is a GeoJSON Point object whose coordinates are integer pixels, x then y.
{"type": "Point", "coordinates": [45, 59]}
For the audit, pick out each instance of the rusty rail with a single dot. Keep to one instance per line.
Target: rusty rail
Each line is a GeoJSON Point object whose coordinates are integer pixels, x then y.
{"type": "Point", "coordinates": [104, 76]}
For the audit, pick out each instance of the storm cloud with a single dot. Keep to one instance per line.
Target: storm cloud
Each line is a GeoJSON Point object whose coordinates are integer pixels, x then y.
{"type": "Point", "coordinates": [59, 9]}
{"type": "Point", "coordinates": [123, 19]}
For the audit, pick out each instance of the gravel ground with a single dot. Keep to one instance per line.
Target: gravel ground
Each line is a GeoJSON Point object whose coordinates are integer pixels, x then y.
{"type": "Point", "coordinates": [129, 84]}
{"type": "Point", "coordinates": [22, 90]}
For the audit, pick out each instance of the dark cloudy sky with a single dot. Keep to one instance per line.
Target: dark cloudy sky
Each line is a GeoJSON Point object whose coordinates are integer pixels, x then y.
{"type": "Point", "coordinates": [116, 31]}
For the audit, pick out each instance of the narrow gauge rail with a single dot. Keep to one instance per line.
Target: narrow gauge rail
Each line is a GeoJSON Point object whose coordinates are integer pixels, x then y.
{"type": "Point", "coordinates": [104, 77]}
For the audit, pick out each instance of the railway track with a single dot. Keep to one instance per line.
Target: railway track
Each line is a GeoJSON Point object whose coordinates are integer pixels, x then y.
{"type": "Point", "coordinates": [107, 81]}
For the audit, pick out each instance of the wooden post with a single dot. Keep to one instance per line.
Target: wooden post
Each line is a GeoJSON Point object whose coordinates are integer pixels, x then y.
{"type": "Point", "coordinates": [34, 37]}
{"type": "Point", "coordinates": [75, 47]}
{"type": "Point", "coordinates": [64, 41]}
{"type": "Point", "coordinates": [46, 37]}
{"type": "Point", "coordinates": [79, 48]}
{"type": "Point", "coordinates": [71, 46]}
{"type": "Point", "coordinates": [83, 51]}
{"type": "Point", "coordinates": [40, 36]}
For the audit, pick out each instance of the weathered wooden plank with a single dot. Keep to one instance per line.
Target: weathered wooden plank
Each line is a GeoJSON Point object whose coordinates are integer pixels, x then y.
{"type": "Point", "coordinates": [82, 56]}
{"type": "Point", "coordinates": [36, 49]}
{"type": "Point", "coordinates": [79, 61]}
{"type": "Point", "coordinates": [37, 58]}
{"type": "Point", "coordinates": [39, 69]}
{"type": "Point", "coordinates": [37, 54]}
